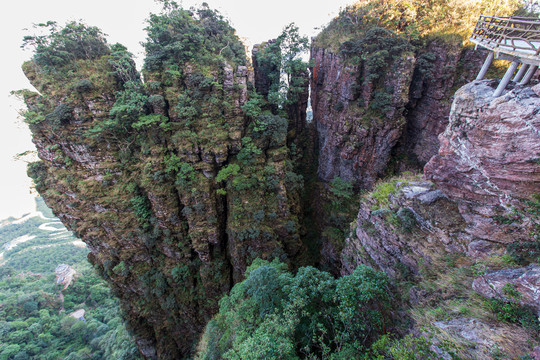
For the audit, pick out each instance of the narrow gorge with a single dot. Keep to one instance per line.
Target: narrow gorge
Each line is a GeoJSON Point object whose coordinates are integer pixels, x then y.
{"type": "Point", "coordinates": [180, 176]}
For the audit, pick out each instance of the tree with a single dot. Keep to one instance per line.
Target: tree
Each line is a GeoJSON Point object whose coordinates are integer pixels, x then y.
{"type": "Point", "coordinates": [282, 60]}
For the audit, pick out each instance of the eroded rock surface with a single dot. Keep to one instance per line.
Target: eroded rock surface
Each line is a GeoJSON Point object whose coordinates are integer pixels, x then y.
{"type": "Point", "coordinates": [395, 231]}
{"type": "Point", "coordinates": [525, 281]}
{"type": "Point", "coordinates": [354, 142]}
{"type": "Point", "coordinates": [442, 67]}
{"type": "Point", "coordinates": [363, 119]}
{"type": "Point", "coordinates": [489, 157]}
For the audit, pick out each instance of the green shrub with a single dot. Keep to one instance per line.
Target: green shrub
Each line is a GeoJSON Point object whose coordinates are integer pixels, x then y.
{"type": "Point", "coordinates": [407, 219]}
{"type": "Point", "coordinates": [178, 36]}
{"type": "Point", "coordinates": [123, 65]}
{"type": "Point", "coordinates": [252, 107]}
{"type": "Point", "coordinates": [271, 128]}
{"type": "Point", "coordinates": [341, 189]}
{"type": "Point", "coordinates": [249, 150]}
{"type": "Point", "coordinates": [185, 174]}
{"type": "Point", "coordinates": [141, 206]}
{"type": "Point", "coordinates": [227, 171]}
{"type": "Point", "coordinates": [37, 171]}
{"type": "Point", "coordinates": [382, 193]}
{"type": "Point", "coordinates": [524, 252]}
{"type": "Point", "coordinates": [83, 86]}
{"type": "Point", "coordinates": [511, 310]}
{"type": "Point", "coordinates": [60, 116]}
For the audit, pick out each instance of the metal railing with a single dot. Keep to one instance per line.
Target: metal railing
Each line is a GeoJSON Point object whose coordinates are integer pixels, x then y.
{"type": "Point", "coordinates": [513, 35]}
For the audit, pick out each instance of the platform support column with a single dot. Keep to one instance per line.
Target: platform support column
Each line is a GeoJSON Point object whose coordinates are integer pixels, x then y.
{"type": "Point", "coordinates": [486, 65]}
{"type": "Point", "coordinates": [529, 74]}
{"type": "Point", "coordinates": [506, 79]}
{"type": "Point", "coordinates": [521, 72]}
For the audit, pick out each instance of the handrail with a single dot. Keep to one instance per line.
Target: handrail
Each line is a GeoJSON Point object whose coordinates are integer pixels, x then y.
{"type": "Point", "coordinates": [516, 34]}
{"type": "Point", "coordinates": [511, 38]}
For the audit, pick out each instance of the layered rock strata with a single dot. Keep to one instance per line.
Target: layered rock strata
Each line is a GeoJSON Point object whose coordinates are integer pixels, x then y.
{"type": "Point", "coordinates": [369, 124]}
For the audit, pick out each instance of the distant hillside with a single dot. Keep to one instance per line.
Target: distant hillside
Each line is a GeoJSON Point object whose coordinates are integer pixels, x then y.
{"type": "Point", "coordinates": [38, 318]}
{"type": "Point", "coordinates": [38, 242]}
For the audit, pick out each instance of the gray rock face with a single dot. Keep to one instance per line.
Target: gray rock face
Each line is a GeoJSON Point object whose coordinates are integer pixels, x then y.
{"type": "Point", "coordinates": [481, 248]}
{"type": "Point", "coordinates": [417, 225]}
{"type": "Point", "coordinates": [526, 281]}
{"type": "Point", "coordinates": [487, 338]}
{"type": "Point", "coordinates": [489, 157]}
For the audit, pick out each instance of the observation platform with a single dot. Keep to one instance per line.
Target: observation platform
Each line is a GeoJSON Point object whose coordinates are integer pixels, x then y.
{"type": "Point", "coordinates": [516, 39]}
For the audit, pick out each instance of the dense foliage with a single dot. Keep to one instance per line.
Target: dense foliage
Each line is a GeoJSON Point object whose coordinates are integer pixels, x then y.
{"type": "Point", "coordinates": [179, 143]}
{"type": "Point", "coordinates": [74, 41]}
{"type": "Point", "coordinates": [195, 173]}
{"type": "Point", "coordinates": [273, 314]}
{"type": "Point", "coordinates": [281, 62]}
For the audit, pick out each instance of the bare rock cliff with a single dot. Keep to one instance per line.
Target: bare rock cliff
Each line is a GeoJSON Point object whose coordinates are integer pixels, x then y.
{"type": "Point", "coordinates": [355, 136]}
{"type": "Point", "coordinates": [489, 158]}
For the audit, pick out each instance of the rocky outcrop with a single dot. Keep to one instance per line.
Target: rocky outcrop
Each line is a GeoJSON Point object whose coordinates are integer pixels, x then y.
{"type": "Point", "coordinates": [439, 234]}
{"type": "Point", "coordinates": [401, 224]}
{"type": "Point", "coordinates": [169, 182]}
{"type": "Point", "coordinates": [489, 158]}
{"type": "Point", "coordinates": [489, 340]}
{"type": "Point", "coordinates": [522, 284]}
{"type": "Point", "coordinates": [487, 162]}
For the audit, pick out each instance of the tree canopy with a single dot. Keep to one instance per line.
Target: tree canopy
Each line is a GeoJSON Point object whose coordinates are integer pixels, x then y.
{"type": "Point", "coordinates": [274, 314]}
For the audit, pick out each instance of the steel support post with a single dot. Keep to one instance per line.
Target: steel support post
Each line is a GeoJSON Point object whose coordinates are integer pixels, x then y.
{"type": "Point", "coordinates": [521, 72]}
{"type": "Point", "coordinates": [506, 79]}
{"type": "Point", "coordinates": [486, 65]}
{"type": "Point", "coordinates": [529, 74]}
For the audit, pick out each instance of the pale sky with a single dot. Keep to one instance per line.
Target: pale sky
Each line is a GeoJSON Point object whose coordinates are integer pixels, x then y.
{"type": "Point", "coordinates": [123, 21]}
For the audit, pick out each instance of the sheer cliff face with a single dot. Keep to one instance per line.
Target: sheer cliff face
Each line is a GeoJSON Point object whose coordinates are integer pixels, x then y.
{"type": "Point", "coordinates": [169, 182]}
{"type": "Point", "coordinates": [356, 136]}
{"type": "Point", "coordinates": [480, 193]}
{"type": "Point", "coordinates": [367, 114]}
{"type": "Point", "coordinates": [467, 230]}
{"type": "Point", "coordinates": [177, 183]}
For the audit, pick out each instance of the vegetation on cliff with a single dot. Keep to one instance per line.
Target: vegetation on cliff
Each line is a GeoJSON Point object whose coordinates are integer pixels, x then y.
{"type": "Point", "coordinates": [177, 182]}
{"type": "Point", "coordinates": [413, 20]}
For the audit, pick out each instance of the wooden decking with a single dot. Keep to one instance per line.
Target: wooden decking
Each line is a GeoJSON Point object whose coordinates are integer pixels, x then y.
{"type": "Point", "coordinates": [509, 38]}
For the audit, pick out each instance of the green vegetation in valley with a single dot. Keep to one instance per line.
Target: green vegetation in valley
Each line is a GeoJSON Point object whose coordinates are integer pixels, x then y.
{"type": "Point", "coordinates": [273, 314]}
{"type": "Point", "coordinates": [35, 321]}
